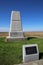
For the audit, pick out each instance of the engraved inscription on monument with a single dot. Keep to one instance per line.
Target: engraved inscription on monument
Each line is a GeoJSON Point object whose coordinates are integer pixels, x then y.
{"type": "Point", "coordinates": [31, 50]}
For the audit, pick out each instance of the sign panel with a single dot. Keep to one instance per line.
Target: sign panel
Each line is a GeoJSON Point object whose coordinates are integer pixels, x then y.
{"type": "Point", "coordinates": [31, 50]}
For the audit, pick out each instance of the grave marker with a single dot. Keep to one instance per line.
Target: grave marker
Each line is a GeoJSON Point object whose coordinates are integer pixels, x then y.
{"type": "Point", "coordinates": [30, 52]}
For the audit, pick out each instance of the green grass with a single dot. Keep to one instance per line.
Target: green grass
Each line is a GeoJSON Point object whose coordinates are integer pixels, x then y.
{"type": "Point", "coordinates": [11, 52]}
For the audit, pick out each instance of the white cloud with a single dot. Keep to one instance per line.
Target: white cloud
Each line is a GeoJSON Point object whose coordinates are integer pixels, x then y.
{"type": "Point", "coordinates": [32, 29]}
{"type": "Point", "coordinates": [4, 29]}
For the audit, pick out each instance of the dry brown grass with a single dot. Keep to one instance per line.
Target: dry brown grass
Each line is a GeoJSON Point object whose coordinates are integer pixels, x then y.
{"type": "Point", "coordinates": [27, 34]}
{"type": "Point", "coordinates": [3, 33]}
{"type": "Point", "coordinates": [33, 34]}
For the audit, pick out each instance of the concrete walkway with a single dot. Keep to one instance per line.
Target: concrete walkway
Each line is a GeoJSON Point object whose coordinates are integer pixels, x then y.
{"type": "Point", "coordinates": [39, 62]}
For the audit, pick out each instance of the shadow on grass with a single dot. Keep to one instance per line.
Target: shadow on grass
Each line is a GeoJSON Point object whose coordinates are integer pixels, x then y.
{"type": "Point", "coordinates": [31, 38]}
{"type": "Point", "coordinates": [41, 55]}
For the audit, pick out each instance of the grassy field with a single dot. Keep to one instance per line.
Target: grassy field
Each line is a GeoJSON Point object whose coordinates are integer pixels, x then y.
{"type": "Point", "coordinates": [11, 52]}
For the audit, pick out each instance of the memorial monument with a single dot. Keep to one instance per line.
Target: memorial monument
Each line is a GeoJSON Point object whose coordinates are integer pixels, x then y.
{"type": "Point", "coordinates": [30, 53]}
{"type": "Point", "coordinates": [15, 32]}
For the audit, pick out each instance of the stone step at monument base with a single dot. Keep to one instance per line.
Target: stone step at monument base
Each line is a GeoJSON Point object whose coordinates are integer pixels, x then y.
{"type": "Point", "coordinates": [15, 38]}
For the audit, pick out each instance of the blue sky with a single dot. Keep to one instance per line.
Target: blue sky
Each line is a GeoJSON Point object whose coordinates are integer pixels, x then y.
{"type": "Point", "coordinates": [31, 13]}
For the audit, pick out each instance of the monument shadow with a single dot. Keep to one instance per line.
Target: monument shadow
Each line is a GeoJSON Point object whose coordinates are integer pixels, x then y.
{"type": "Point", "coordinates": [41, 55]}
{"type": "Point", "coordinates": [28, 38]}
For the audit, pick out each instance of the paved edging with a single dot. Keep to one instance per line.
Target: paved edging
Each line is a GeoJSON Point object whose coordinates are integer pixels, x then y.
{"type": "Point", "coordinates": [38, 62]}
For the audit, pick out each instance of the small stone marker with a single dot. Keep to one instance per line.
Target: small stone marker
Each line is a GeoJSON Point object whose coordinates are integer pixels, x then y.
{"type": "Point", "coordinates": [30, 52]}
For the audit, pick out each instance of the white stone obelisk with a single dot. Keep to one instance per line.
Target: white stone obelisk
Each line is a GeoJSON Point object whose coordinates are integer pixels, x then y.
{"type": "Point", "coordinates": [15, 26]}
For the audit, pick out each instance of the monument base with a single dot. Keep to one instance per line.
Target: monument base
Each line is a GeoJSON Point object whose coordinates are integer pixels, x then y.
{"type": "Point", "coordinates": [15, 38]}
